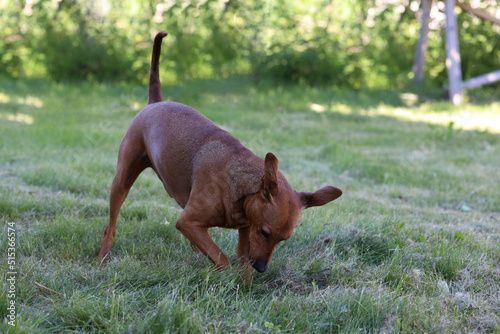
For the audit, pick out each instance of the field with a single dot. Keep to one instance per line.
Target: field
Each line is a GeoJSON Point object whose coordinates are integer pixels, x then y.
{"type": "Point", "coordinates": [413, 245]}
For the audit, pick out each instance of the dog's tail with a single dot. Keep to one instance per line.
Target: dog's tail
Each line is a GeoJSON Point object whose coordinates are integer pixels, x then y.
{"type": "Point", "coordinates": [154, 74]}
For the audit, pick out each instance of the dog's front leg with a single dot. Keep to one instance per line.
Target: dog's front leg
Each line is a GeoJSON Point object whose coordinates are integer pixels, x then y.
{"type": "Point", "coordinates": [197, 234]}
{"type": "Point", "coordinates": [243, 252]}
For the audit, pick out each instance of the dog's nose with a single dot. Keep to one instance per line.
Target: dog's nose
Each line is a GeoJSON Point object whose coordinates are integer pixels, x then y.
{"type": "Point", "coordinates": [260, 265]}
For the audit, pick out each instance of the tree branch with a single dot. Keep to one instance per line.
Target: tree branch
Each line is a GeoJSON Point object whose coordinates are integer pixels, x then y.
{"type": "Point", "coordinates": [484, 15]}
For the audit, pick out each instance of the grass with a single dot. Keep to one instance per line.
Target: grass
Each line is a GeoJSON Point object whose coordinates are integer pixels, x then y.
{"type": "Point", "coordinates": [411, 246]}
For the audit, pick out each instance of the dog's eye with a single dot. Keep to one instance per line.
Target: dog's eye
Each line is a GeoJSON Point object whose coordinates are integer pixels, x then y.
{"type": "Point", "coordinates": [265, 234]}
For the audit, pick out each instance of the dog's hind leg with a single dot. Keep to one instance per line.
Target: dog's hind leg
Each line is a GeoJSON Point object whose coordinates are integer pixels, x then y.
{"type": "Point", "coordinates": [132, 160]}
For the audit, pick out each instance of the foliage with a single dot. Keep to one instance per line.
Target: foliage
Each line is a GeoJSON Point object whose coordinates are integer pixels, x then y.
{"type": "Point", "coordinates": [350, 43]}
{"type": "Point", "coordinates": [480, 46]}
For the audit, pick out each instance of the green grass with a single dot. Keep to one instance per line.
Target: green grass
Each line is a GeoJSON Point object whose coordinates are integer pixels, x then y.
{"type": "Point", "coordinates": [411, 246]}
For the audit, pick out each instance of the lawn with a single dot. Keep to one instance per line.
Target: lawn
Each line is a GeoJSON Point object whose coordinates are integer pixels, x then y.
{"type": "Point", "coordinates": [413, 245]}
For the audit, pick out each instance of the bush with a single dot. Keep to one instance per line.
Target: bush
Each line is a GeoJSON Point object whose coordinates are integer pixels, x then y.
{"type": "Point", "coordinates": [352, 43]}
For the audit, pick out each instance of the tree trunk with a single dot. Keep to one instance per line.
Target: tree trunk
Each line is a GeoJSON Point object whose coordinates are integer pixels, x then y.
{"type": "Point", "coordinates": [453, 63]}
{"type": "Point", "coordinates": [421, 50]}
{"type": "Point", "coordinates": [482, 80]}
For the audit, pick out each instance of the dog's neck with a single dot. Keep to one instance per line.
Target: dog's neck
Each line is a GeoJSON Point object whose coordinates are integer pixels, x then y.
{"type": "Point", "coordinates": [245, 173]}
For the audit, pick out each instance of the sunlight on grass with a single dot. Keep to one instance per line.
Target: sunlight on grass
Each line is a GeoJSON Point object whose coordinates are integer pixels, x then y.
{"type": "Point", "coordinates": [136, 106]}
{"type": "Point", "coordinates": [15, 102]}
{"type": "Point", "coordinates": [19, 118]}
{"type": "Point", "coordinates": [28, 100]}
{"type": "Point", "coordinates": [467, 118]}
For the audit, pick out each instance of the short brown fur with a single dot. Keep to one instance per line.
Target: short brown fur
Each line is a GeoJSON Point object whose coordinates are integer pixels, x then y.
{"type": "Point", "coordinates": [212, 176]}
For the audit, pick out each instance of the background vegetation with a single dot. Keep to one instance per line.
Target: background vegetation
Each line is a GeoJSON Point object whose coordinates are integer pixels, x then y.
{"type": "Point", "coordinates": [354, 43]}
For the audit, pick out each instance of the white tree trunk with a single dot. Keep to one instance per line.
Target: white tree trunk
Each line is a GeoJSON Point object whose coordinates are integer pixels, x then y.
{"type": "Point", "coordinates": [453, 54]}
{"type": "Point", "coordinates": [482, 80]}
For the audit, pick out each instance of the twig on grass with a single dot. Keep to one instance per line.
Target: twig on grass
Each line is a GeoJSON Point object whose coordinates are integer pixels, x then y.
{"type": "Point", "coordinates": [43, 287]}
{"type": "Point", "coordinates": [418, 327]}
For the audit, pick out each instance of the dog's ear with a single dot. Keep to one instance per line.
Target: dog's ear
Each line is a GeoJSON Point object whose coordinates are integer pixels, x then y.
{"type": "Point", "coordinates": [269, 182]}
{"type": "Point", "coordinates": [319, 197]}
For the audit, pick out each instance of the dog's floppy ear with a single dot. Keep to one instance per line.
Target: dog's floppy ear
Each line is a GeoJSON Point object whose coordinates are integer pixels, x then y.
{"type": "Point", "coordinates": [319, 197]}
{"type": "Point", "coordinates": [269, 182]}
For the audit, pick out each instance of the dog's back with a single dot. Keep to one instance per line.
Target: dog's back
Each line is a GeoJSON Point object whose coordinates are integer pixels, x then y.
{"type": "Point", "coordinates": [190, 145]}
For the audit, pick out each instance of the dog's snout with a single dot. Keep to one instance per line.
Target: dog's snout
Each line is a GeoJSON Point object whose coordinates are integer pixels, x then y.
{"type": "Point", "coordinates": [260, 265]}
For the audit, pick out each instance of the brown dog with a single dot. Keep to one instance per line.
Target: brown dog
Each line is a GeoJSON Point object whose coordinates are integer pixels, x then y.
{"type": "Point", "coordinates": [209, 173]}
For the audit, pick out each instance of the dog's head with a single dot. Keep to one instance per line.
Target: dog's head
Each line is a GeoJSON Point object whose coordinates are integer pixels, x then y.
{"type": "Point", "coordinates": [273, 212]}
